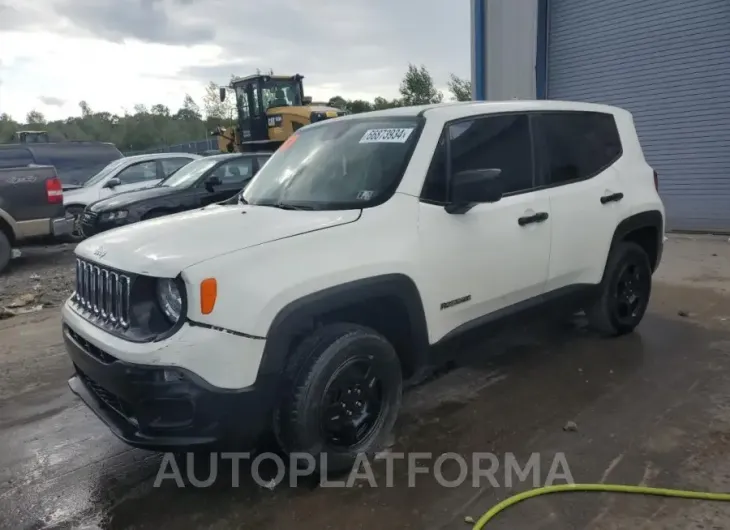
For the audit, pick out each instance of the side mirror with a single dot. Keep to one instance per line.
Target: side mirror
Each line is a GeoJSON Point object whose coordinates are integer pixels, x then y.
{"type": "Point", "coordinates": [307, 100]}
{"type": "Point", "coordinates": [469, 188]}
{"type": "Point", "coordinates": [212, 182]}
{"type": "Point", "coordinates": [112, 183]}
{"type": "Point", "coordinates": [222, 92]}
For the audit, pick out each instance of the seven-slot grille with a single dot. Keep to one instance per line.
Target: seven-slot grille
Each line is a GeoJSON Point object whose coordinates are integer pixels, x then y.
{"type": "Point", "coordinates": [103, 293]}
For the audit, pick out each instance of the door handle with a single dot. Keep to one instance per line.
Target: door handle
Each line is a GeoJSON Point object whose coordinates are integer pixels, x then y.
{"type": "Point", "coordinates": [534, 218]}
{"type": "Point", "coordinates": [614, 197]}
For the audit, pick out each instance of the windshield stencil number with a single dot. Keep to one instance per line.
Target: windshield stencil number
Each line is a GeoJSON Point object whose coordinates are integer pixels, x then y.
{"type": "Point", "coordinates": [397, 136]}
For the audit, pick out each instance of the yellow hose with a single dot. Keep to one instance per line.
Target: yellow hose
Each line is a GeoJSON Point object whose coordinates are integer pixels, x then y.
{"type": "Point", "coordinates": [610, 488]}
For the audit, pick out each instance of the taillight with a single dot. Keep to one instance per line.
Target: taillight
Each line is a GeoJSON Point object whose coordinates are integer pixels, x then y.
{"type": "Point", "coordinates": [656, 180]}
{"type": "Point", "coordinates": [54, 190]}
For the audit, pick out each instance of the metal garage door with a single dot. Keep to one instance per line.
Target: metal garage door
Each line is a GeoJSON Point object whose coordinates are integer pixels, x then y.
{"type": "Point", "coordinates": [668, 62]}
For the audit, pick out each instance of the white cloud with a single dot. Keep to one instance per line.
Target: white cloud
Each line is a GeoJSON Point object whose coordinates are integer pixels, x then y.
{"type": "Point", "coordinates": [109, 76]}
{"type": "Point", "coordinates": [118, 53]}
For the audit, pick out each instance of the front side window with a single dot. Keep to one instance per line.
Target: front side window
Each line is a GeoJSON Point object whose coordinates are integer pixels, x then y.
{"type": "Point", "coordinates": [242, 102]}
{"type": "Point", "coordinates": [488, 142]}
{"type": "Point", "coordinates": [108, 170]}
{"type": "Point", "coordinates": [577, 145]}
{"type": "Point", "coordinates": [139, 172]}
{"type": "Point", "coordinates": [237, 171]}
{"type": "Point", "coordinates": [501, 142]}
{"type": "Point", "coordinates": [337, 165]}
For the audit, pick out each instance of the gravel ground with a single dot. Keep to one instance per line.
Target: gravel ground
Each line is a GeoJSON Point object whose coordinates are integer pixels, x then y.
{"type": "Point", "coordinates": [41, 277]}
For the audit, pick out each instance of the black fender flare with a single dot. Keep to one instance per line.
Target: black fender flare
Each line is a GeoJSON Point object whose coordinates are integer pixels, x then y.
{"type": "Point", "coordinates": [647, 219]}
{"type": "Point", "coordinates": [300, 316]}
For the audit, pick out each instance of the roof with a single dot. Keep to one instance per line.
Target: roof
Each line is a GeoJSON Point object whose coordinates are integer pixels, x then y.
{"type": "Point", "coordinates": [223, 156]}
{"type": "Point", "coordinates": [455, 110]}
{"type": "Point", "coordinates": [155, 156]}
{"type": "Point", "coordinates": [257, 76]}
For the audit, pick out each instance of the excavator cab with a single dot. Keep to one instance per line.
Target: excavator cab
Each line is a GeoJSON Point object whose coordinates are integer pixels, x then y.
{"type": "Point", "coordinates": [270, 109]}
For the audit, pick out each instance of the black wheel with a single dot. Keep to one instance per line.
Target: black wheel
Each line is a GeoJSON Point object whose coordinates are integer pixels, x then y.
{"type": "Point", "coordinates": [77, 234]}
{"type": "Point", "coordinates": [625, 291]}
{"type": "Point", "coordinates": [345, 386]}
{"type": "Point", "coordinates": [5, 251]}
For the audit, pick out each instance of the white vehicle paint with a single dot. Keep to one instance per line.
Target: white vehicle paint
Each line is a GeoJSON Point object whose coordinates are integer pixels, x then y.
{"type": "Point", "coordinates": [445, 217]}
{"type": "Point", "coordinates": [124, 174]}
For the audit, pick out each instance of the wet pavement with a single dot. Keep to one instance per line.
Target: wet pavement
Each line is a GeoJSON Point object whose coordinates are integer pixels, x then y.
{"type": "Point", "coordinates": [651, 408]}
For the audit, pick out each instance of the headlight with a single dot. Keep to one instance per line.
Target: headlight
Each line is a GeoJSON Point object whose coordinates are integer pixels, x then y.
{"type": "Point", "coordinates": [114, 216]}
{"type": "Point", "coordinates": [170, 298]}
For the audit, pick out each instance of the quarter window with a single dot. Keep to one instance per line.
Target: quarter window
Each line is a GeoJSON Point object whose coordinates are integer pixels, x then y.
{"type": "Point", "coordinates": [578, 145]}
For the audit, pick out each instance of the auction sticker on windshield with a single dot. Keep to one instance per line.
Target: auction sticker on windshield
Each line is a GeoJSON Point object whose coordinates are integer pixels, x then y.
{"type": "Point", "coordinates": [393, 135]}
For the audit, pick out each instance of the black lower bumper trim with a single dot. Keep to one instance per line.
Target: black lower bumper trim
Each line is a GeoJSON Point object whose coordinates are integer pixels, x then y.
{"type": "Point", "coordinates": [166, 408]}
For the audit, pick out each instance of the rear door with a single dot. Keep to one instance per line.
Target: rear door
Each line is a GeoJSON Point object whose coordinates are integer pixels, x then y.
{"type": "Point", "coordinates": [577, 152]}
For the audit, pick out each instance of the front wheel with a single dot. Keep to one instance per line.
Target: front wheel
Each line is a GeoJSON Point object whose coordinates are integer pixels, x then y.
{"type": "Point", "coordinates": [625, 291]}
{"type": "Point", "coordinates": [345, 387]}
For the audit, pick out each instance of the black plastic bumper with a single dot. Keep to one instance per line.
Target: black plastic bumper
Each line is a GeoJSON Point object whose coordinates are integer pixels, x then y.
{"type": "Point", "coordinates": [145, 409]}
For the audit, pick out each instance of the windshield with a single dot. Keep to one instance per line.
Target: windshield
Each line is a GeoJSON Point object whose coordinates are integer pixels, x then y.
{"type": "Point", "coordinates": [280, 93]}
{"type": "Point", "coordinates": [337, 165]}
{"type": "Point", "coordinates": [188, 174]}
{"type": "Point", "coordinates": [108, 169]}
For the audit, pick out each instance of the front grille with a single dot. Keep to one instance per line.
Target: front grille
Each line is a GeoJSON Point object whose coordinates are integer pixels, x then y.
{"type": "Point", "coordinates": [103, 294]}
{"type": "Point", "coordinates": [88, 223]}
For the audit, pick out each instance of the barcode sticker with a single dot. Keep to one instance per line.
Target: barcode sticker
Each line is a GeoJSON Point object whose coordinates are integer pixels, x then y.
{"type": "Point", "coordinates": [395, 136]}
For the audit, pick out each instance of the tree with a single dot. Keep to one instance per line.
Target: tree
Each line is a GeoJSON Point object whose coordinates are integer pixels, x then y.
{"type": "Point", "coordinates": [358, 105]}
{"type": "Point", "coordinates": [337, 102]}
{"type": "Point", "coordinates": [460, 88]}
{"type": "Point", "coordinates": [189, 110]}
{"type": "Point", "coordinates": [417, 87]}
{"type": "Point", "coordinates": [35, 117]}
{"type": "Point", "coordinates": [85, 109]}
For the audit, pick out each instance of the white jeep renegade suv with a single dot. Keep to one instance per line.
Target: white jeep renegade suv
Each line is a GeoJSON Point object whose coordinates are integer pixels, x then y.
{"type": "Point", "coordinates": [360, 246]}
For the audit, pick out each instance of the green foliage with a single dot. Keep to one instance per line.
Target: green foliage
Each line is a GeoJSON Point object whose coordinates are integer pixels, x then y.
{"type": "Point", "coordinates": [147, 128]}
{"type": "Point", "coordinates": [460, 88]}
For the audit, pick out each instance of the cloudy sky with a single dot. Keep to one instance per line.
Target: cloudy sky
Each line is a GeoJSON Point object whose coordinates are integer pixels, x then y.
{"type": "Point", "coordinates": [116, 53]}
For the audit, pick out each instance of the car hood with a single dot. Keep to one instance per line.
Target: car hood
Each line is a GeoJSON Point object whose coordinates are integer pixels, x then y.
{"type": "Point", "coordinates": [121, 200]}
{"type": "Point", "coordinates": [163, 247]}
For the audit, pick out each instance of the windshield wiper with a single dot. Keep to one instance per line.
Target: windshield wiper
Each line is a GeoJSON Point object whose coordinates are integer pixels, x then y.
{"type": "Point", "coordinates": [286, 206]}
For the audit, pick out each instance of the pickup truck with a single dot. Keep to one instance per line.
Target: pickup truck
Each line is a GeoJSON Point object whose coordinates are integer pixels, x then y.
{"type": "Point", "coordinates": [31, 206]}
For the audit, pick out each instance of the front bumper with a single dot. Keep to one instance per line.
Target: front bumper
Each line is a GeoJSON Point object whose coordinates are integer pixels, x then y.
{"type": "Point", "coordinates": [146, 409]}
{"type": "Point", "coordinates": [91, 224]}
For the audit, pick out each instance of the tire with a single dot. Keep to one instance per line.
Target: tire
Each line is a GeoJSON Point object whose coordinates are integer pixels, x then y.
{"type": "Point", "coordinates": [317, 370]}
{"type": "Point", "coordinates": [615, 312]}
{"type": "Point", "coordinates": [77, 235]}
{"type": "Point", "coordinates": [6, 251]}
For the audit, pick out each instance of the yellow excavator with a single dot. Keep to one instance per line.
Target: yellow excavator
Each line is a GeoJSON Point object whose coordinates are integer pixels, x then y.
{"type": "Point", "coordinates": [270, 109]}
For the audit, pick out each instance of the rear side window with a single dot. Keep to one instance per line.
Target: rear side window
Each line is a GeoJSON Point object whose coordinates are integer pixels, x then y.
{"type": "Point", "coordinates": [15, 158]}
{"type": "Point", "coordinates": [577, 145]}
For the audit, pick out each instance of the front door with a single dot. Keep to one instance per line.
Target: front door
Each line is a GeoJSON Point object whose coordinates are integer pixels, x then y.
{"type": "Point", "coordinates": [496, 254]}
{"type": "Point", "coordinates": [134, 177]}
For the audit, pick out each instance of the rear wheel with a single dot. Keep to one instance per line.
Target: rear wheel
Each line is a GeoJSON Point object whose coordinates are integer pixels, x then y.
{"type": "Point", "coordinates": [344, 394]}
{"type": "Point", "coordinates": [625, 291]}
{"type": "Point", "coordinates": [5, 251]}
{"type": "Point", "coordinates": [77, 233]}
